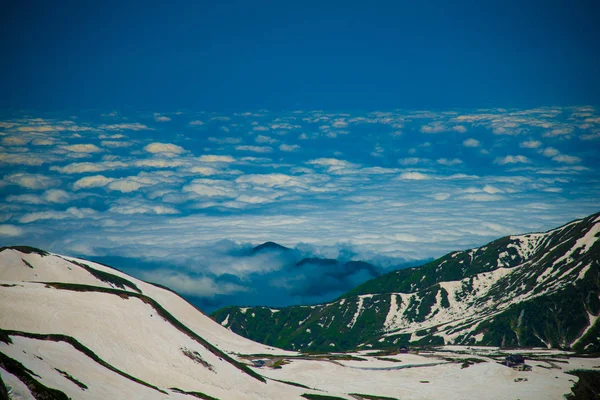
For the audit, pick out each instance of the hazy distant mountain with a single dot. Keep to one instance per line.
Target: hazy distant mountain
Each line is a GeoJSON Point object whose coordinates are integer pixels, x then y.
{"type": "Point", "coordinates": [537, 289]}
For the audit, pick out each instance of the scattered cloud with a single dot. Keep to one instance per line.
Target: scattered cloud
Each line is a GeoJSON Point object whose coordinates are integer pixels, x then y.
{"type": "Point", "coordinates": [169, 148]}
{"type": "Point", "coordinates": [512, 160]}
{"type": "Point", "coordinates": [565, 159]}
{"type": "Point", "coordinates": [413, 176]}
{"type": "Point", "coordinates": [530, 144]}
{"type": "Point", "coordinates": [11, 230]}
{"type": "Point", "coordinates": [449, 162]}
{"type": "Point", "coordinates": [550, 152]}
{"type": "Point", "coordinates": [471, 142]}
{"type": "Point", "coordinates": [126, 126]}
{"type": "Point", "coordinates": [289, 147]}
{"type": "Point", "coordinates": [255, 149]}
{"type": "Point", "coordinates": [32, 181]}
{"type": "Point", "coordinates": [161, 118]}
{"type": "Point", "coordinates": [92, 182]}
{"type": "Point", "coordinates": [82, 148]}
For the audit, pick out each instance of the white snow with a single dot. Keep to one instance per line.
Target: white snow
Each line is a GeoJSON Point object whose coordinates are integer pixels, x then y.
{"type": "Point", "coordinates": [592, 321]}
{"type": "Point", "coordinates": [359, 309]}
{"type": "Point", "coordinates": [225, 321]}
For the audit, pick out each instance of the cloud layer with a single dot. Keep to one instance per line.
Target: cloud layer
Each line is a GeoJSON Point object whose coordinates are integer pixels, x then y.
{"type": "Point", "coordinates": [382, 185]}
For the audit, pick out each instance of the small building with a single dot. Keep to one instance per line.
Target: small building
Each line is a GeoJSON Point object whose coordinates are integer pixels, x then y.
{"type": "Point", "coordinates": [403, 350]}
{"type": "Point", "coordinates": [516, 362]}
{"type": "Point", "coordinates": [258, 363]}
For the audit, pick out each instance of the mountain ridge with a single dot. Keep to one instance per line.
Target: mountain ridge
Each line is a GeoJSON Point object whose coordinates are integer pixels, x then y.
{"type": "Point", "coordinates": [497, 294]}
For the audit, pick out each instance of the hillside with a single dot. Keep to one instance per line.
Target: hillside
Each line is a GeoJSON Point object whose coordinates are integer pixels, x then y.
{"type": "Point", "coordinates": [537, 289]}
{"type": "Point", "coordinates": [71, 328]}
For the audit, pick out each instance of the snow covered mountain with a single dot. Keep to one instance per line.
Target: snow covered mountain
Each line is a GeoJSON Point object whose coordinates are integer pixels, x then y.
{"type": "Point", "coordinates": [537, 289]}
{"type": "Point", "coordinates": [71, 328]}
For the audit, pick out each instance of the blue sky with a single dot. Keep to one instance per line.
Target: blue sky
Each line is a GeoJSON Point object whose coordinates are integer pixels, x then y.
{"type": "Point", "coordinates": [170, 138]}
{"type": "Point", "coordinates": [282, 55]}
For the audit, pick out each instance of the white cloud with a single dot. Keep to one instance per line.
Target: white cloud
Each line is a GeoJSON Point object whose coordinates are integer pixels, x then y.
{"type": "Point", "coordinates": [482, 197]}
{"type": "Point", "coordinates": [121, 127]}
{"type": "Point", "coordinates": [42, 142]}
{"type": "Point", "coordinates": [56, 196]}
{"type": "Point", "coordinates": [114, 144]}
{"type": "Point", "coordinates": [204, 171]}
{"type": "Point", "coordinates": [265, 139]}
{"type": "Point", "coordinates": [159, 163]}
{"type": "Point", "coordinates": [211, 188]}
{"type": "Point", "coordinates": [225, 140]}
{"type": "Point", "coordinates": [590, 136]}
{"type": "Point", "coordinates": [78, 168]}
{"type": "Point", "coordinates": [15, 141]}
{"type": "Point", "coordinates": [564, 131]}
{"type": "Point", "coordinates": [132, 183]}
{"type": "Point", "coordinates": [161, 118]}
{"type": "Point", "coordinates": [11, 230]}
{"type": "Point", "coordinates": [216, 159]}
{"type": "Point", "coordinates": [511, 160]}
{"type": "Point", "coordinates": [70, 213]}
{"type": "Point", "coordinates": [193, 286]}
{"type": "Point", "coordinates": [255, 149]}
{"type": "Point", "coordinates": [137, 207]}
{"type": "Point", "coordinates": [289, 148]}
{"type": "Point", "coordinates": [270, 180]}
{"type": "Point", "coordinates": [435, 127]}
{"type": "Point", "coordinates": [164, 148]}
{"type": "Point", "coordinates": [83, 148]}
{"type": "Point", "coordinates": [413, 176]}
{"type": "Point", "coordinates": [449, 162]}
{"type": "Point", "coordinates": [441, 196]}
{"type": "Point", "coordinates": [565, 159]}
{"type": "Point", "coordinates": [550, 152]}
{"type": "Point", "coordinates": [459, 128]}
{"type": "Point", "coordinates": [25, 199]}
{"type": "Point", "coordinates": [471, 142]}
{"type": "Point", "coordinates": [32, 181]}
{"type": "Point", "coordinates": [489, 189]}
{"type": "Point", "coordinates": [411, 161]}
{"type": "Point", "coordinates": [339, 124]}
{"type": "Point", "coordinates": [25, 159]}
{"type": "Point", "coordinates": [530, 144]}
{"type": "Point", "coordinates": [196, 123]}
{"type": "Point", "coordinates": [92, 182]}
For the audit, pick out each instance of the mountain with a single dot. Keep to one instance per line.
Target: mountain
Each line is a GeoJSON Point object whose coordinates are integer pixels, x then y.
{"type": "Point", "coordinates": [536, 289]}
{"type": "Point", "coordinates": [269, 246]}
{"type": "Point", "coordinates": [71, 328]}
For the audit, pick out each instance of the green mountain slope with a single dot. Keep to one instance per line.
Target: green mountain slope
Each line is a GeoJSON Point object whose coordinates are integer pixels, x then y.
{"type": "Point", "coordinates": [538, 289]}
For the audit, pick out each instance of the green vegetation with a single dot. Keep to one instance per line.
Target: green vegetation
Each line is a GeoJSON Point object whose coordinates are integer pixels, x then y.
{"type": "Point", "coordinates": [198, 395]}
{"type": "Point", "coordinates": [371, 397]}
{"type": "Point", "coordinates": [37, 389]}
{"type": "Point", "coordinates": [588, 386]}
{"type": "Point", "coordinates": [291, 383]}
{"type": "Point", "coordinates": [320, 397]}
{"type": "Point", "coordinates": [106, 277]}
{"type": "Point", "coordinates": [163, 313]}
{"type": "Point", "coordinates": [26, 250]}
{"type": "Point", "coordinates": [26, 263]}
{"type": "Point", "coordinates": [81, 348]}
{"type": "Point", "coordinates": [3, 390]}
{"type": "Point", "coordinates": [556, 312]}
{"type": "Point", "coordinates": [81, 385]}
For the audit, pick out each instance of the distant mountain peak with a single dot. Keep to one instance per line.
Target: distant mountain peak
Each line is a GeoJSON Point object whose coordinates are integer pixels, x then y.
{"type": "Point", "coordinates": [269, 246]}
